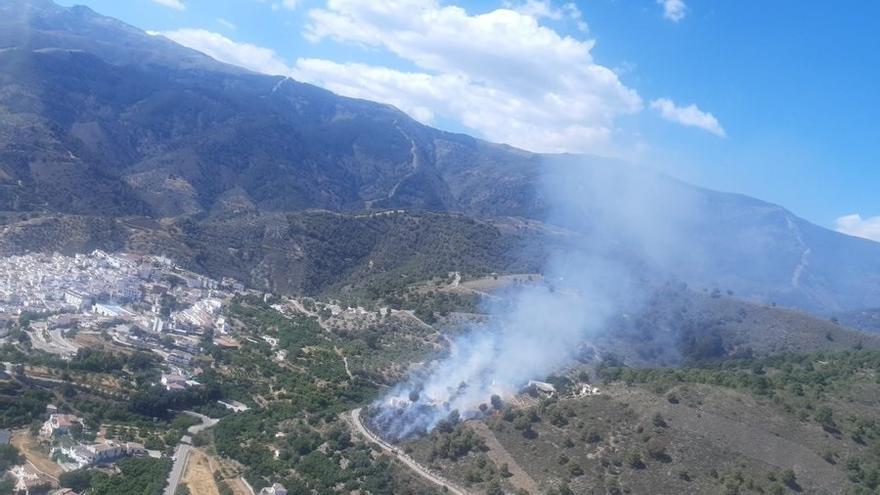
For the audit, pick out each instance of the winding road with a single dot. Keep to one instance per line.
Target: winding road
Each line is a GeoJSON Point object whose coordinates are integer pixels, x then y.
{"type": "Point", "coordinates": [402, 457]}
{"type": "Point", "coordinates": [183, 450]}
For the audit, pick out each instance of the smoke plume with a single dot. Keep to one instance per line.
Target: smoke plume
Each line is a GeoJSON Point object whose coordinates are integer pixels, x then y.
{"type": "Point", "coordinates": [624, 227]}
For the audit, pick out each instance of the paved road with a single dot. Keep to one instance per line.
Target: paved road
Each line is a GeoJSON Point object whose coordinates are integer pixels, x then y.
{"type": "Point", "coordinates": [402, 457]}
{"type": "Point", "coordinates": [181, 456]}
{"type": "Point", "coordinates": [206, 422]}
{"type": "Point", "coordinates": [183, 450]}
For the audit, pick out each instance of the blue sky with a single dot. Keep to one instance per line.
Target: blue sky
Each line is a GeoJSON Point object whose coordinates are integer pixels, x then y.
{"type": "Point", "coordinates": [785, 92]}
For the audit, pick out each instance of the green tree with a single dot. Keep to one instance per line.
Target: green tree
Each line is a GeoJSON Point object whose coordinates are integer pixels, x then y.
{"type": "Point", "coordinates": [78, 480]}
{"type": "Point", "coordinates": [9, 456]}
{"type": "Point", "coordinates": [825, 417]}
{"type": "Point", "coordinates": [494, 488]}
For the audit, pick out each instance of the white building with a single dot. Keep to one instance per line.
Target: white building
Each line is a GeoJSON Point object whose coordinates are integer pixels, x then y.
{"type": "Point", "coordinates": [111, 310]}
{"type": "Point", "coordinates": [234, 405]}
{"type": "Point", "coordinates": [157, 325]}
{"type": "Point", "coordinates": [275, 489]}
{"type": "Point", "coordinates": [76, 299]}
{"type": "Point", "coordinates": [100, 453]}
{"type": "Point", "coordinates": [58, 424]}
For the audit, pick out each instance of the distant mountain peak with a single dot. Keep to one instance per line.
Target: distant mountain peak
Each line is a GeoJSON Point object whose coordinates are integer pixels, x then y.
{"type": "Point", "coordinates": [105, 121]}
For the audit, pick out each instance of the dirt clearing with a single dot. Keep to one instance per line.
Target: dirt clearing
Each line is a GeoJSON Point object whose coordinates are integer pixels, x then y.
{"type": "Point", "coordinates": [35, 453]}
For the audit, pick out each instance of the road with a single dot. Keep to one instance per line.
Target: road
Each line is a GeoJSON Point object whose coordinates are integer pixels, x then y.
{"type": "Point", "coordinates": [402, 457]}
{"type": "Point", "coordinates": [183, 450]}
{"type": "Point", "coordinates": [181, 456]}
{"type": "Point", "coordinates": [206, 422]}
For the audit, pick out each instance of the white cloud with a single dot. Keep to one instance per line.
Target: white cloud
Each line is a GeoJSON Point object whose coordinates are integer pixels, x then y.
{"type": "Point", "coordinates": [855, 225]}
{"type": "Point", "coordinates": [674, 10]}
{"type": "Point", "coordinates": [256, 58]}
{"type": "Point", "coordinates": [223, 22]}
{"type": "Point", "coordinates": [172, 4]}
{"type": "Point", "coordinates": [540, 9]}
{"type": "Point", "coordinates": [501, 117]}
{"type": "Point", "coordinates": [690, 115]}
{"type": "Point", "coordinates": [285, 4]}
{"type": "Point", "coordinates": [502, 73]}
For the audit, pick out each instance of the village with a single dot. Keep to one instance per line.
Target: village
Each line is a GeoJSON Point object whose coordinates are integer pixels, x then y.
{"type": "Point", "coordinates": [139, 302]}
{"type": "Point", "coordinates": [65, 305]}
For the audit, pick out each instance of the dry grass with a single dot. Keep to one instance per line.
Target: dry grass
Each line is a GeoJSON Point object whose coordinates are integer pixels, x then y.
{"type": "Point", "coordinates": [229, 471]}
{"type": "Point", "coordinates": [199, 476]}
{"type": "Point", "coordinates": [519, 478]}
{"type": "Point", "coordinates": [95, 341]}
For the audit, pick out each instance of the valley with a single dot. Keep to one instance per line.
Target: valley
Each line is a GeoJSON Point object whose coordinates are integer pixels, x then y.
{"type": "Point", "coordinates": [216, 281]}
{"type": "Point", "coordinates": [301, 369]}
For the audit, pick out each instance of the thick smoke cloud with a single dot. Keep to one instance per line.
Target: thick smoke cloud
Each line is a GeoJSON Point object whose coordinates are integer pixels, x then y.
{"type": "Point", "coordinates": [625, 225]}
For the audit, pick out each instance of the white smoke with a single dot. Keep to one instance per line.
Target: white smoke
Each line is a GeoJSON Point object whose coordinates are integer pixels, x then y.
{"type": "Point", "coordinates": [626, 224]}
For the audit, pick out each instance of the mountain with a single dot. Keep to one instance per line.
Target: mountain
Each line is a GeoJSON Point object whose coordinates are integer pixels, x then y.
{"type": "Point", "coordinates": [111, 137]}
{"type": "Point", "coordinates": [162, 130]}
{"type": "Point", "coordinates": [865, 319]}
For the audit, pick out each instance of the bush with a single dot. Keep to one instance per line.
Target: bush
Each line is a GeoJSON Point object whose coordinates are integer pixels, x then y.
{"type": "Point", "coordinates": [144, 476]}
{"type": "Point", "coordinates": [633, 459]}
{"type": "Point", "coordinates": [77, 481]}
{"type": "Point", "coordinates": [789, 479]}
{"type": "Point", "coordinates": [657, 450]}
{"type": "Point", "coordinates": [9, 456]}
{"type": "Point", "coordinates": [658, 421]}
{"type": "Point", "coordinates": [825, 417]}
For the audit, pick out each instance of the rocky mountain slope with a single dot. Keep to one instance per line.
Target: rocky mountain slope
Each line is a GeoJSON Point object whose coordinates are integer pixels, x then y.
{"type": "Point", "coordinates": [102, 122]}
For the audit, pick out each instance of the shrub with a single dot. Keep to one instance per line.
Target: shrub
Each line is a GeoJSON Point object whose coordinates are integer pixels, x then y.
{"type": "Point", "coordinates": [633, 459]}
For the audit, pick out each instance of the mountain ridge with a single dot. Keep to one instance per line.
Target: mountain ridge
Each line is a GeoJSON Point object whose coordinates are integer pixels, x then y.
{"type": "Point", "coordinates": [143, 127]}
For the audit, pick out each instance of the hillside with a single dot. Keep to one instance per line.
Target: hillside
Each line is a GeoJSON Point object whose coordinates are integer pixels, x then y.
{"type": "Point", "coordinates": [678, 326]}
{"type": "Point", "coordinates": [302, 365]}
{"type": "Point", "coordinates": [304, 252]}
{"type": "Point", "coordinates": [103, 120]}
{"type": "Point", "coordinates": [161, 129]}
{"type": "Point", "coordinates": [867, 319]}
{"type": "Point", "coordinates": [791, 424]}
